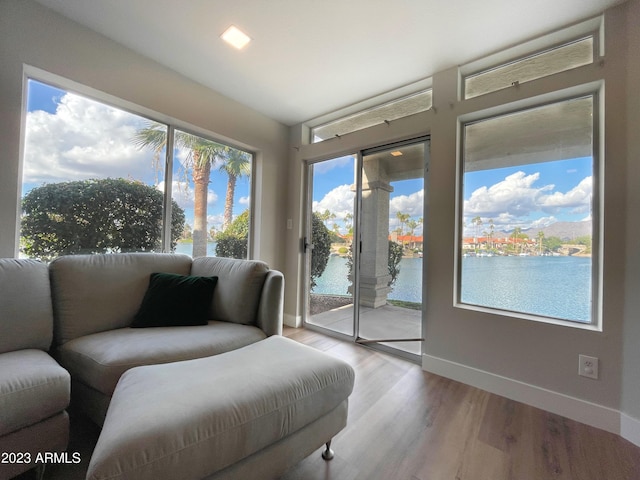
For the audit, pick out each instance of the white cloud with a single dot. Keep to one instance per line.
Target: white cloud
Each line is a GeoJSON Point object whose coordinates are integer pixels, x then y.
{"type": "Point", "coordinates": [245, 201]}
{"type": "Point", "coordinates": [412, 204]}
{"type": "Point", "coordinates": [578, 199]}
{"type": "Point", "coordinates": [215, 221]}
{"type": "Point", "coordinates": [324, 167]}
{"type": "Point", "coordinates": [543, 222]}
{"type": "Point", "coordinates": [339, 201]}
{"type": "Point", "coordinates": [518, 196]}
{"type": "Point", "coordinates": [515, 194]}
{"type": "Point", "coordinates": [84, 139]}
{"type": "Point", "coordinates": [183, 194]}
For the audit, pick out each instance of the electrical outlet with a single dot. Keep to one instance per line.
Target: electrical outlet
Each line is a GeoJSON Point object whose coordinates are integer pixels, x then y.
{"type": "Point", "coordinates": [588, 366]}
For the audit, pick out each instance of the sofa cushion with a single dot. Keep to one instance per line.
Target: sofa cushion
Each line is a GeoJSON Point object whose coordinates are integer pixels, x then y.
{"type": "Point", "coordinates": [175, 300]}
{"type": "Point", "coordinates": [237, 294]}
{"type": "Point", "coordinates": [98, 360]}
{"type": "Point", "coordinates": [26, 318]}
{"type": "Point", "coordinates": [252, 398]}
{"type": "Point", "coordinates": [95, 293]}
{"type": "Point", "coordinates": [32, 387]}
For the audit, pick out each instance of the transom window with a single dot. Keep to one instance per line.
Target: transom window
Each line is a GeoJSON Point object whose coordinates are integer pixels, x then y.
{"type": "Point", "coordinates": [541, 64]}
{"type": "Point", "coordinates": [403, 107]}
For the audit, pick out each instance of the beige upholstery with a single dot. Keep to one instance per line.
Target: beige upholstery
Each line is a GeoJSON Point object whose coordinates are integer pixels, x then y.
{"type": "Point", "coordinates": [100, 359]}
{"type": "Point", "coordinates": [95, 298]}
{"type": "Point", "coordinates": [25, 305]}
{"type": "Point", "coordinates": [237, 293]}
{"type": "Point", "coordinates": [220, 410]}
{"type": "Point", "coordinates": [95, 293]}
{"type": "Point", "coordinates": [34, 389]}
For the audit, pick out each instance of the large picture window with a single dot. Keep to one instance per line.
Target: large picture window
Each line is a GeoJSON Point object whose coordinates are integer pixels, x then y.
{"type": "Point", "coordinates": [98, 179]}
{"type": "Point", "coordinates": [529, 210]}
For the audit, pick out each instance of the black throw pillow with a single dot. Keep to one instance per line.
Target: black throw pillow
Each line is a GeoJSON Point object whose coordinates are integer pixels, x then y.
{"type": "Point", "coordinates": [175, 300]}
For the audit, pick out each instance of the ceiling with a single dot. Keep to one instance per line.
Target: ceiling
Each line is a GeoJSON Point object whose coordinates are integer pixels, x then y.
{"type": "Point", "coordinates": [311, 57]}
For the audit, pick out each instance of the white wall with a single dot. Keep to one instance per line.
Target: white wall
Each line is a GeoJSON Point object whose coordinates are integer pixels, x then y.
{"type": "Point", "coordinates": [33, 35]}
{"type": "Point", "coordinates": [526, 360]}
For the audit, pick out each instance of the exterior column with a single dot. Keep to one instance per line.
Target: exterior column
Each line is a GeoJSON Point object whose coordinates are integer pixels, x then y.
{"type": "Point", "coordinates": [374, 258]}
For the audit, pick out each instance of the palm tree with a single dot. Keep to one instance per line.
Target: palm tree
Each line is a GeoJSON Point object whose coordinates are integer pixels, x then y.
{"type": "Point", "coordinates": [540, 238]}
{"type": "Point", "coordinates": [403, 217]}
{"type": "Point", "coordinates": [412, 225]}
{"type": "Point", "coordinates": [348, 223]}
{"type": "Point", "coordinates": [516, 236]}
{"type": "Point", "coordinates": [326, 217]}
{"type": "Point", "coordinates": [202, 154]}
{"type": "Point", "coordinates": [491, 232]}
{"type": "Point", "coordinates": [236, 164]}
{"type": "Point", "coordinates": [477, 221]}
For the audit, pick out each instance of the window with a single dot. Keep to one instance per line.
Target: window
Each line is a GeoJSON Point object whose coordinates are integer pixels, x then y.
{"type": "Point", "coordinates": [389, 111]}
{"type": "Point", "coordinates": [528, 241]}
{"type": "Point", "coordinates": [213, 182]}
{"type": "Point", "coordinates": [95, 180]}
{"type": "Point", "coordinates": [541, 64]}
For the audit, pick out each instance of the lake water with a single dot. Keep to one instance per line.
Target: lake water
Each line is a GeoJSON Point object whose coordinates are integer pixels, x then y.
{"type": "Point", "coordinates": [187, 248]}
{"type": "Point", "coordinates": [408, 285]}
{"type": "Point", "coordinates": [558, 287]}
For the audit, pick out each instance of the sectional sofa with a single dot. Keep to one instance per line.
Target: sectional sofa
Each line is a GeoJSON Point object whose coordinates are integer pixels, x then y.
{"type": "Point", "coordinates": [96, 299]}
{"type": "Point", "coordinates": [34, 389]}
{"type": "Point", "coordinates": [180, 362]}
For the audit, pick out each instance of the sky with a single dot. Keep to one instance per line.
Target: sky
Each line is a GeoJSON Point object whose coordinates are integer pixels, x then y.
{"type": "Point", "coordinates": [69, 137]}
{"type": "Point", "coordinates": [333, 182]}
{"type": "Point", "coordinates": [530, 196]}
{"type": "Point", "coordinates": [527, 196]}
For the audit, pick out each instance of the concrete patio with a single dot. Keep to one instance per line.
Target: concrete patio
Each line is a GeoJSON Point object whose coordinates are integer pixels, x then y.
{"type": "Point", "coordinates": [382, 323]}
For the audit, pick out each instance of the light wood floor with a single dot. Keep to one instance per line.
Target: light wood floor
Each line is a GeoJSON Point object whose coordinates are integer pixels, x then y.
{"type": "Point", "coordinates": [407, 424]}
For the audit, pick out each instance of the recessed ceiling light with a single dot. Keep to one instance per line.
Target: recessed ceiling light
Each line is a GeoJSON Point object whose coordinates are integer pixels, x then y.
{"type": "Point", "coordinates": [396, 153]}
{"type": "Point", "coordinates": [235, 37]}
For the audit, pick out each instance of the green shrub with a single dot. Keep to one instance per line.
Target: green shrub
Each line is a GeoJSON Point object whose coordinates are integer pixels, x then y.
{"type": "Point", "coordinates": [321, 239]}
{"type": "Point", "coordinates": [233, 242]}
{"type": "Point", "coordinates": [95, 216]}
{"type": "Point", "coordinates": [393, 261]}
{"type": "Point", "coordinates": [395, 255]}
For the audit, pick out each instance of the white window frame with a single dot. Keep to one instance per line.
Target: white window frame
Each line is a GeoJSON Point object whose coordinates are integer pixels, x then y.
{"type": "Point", "coordinates": [43, 76]}
{"type": "Point", "coordinates": [593, 27]}
{"type": "Point", "coordinates": [597, 92]}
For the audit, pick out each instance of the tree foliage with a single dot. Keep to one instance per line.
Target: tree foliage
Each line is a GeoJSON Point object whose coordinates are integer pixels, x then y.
{"type": "Point", "coordinates": [202, 155]}
{"type": "Point", "coordinates": [321, 239]}
{"type": "Point", "coordinates": [95, 216]}
{"type": "Point", "coordinates": [395, 255]}
{"type": "Point", "coordinates": [233, 242]}
{"type": "Point", "coordinates": [552, 243]}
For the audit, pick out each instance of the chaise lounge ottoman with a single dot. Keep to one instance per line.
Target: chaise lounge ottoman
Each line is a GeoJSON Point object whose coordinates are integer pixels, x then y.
{"type": "Point", "coordinates": [246, 414]}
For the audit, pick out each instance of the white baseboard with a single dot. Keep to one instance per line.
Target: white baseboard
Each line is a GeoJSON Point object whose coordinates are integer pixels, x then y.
{"type": "Point", "coordinates": [582, 411]}
{"type": "Point", "coordinates": [630, 428]}
{"type": "Point", "coordinates": [294, 321]}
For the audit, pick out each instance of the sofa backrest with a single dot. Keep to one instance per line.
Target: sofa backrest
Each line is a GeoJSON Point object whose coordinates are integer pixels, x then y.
{"type": "Point", "coordinates": [95, 293]}
{"type": "Point", "coordinates": [26, 319]}
{"type": "Point", "coordinates": [237, 293]}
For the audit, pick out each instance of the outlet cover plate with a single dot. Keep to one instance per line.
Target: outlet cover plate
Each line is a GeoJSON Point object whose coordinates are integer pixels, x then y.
{"type": "Point", "coordinates": [588, 366]}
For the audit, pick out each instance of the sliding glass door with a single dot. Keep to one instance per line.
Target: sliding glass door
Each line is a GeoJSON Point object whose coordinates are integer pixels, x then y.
{"type": "Point", "coordinates": [329, 244]}
{"type": "Point", "coordinates": [365, 246]}
{"type": "Point", "coordinates": [391, 253]}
